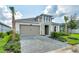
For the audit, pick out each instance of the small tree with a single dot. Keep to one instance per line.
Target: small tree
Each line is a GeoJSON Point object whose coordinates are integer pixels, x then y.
{"type": "Point", "coordinates": [66, 19]}
{"type": "Point", "coordinates": [72, 24]}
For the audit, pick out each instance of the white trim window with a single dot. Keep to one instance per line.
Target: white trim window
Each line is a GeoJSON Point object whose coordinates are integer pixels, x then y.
{"type": "Point", "coordinates": [46, 19]}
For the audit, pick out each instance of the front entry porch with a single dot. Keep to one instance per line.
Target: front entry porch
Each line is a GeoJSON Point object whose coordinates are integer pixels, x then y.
{"type": "Point", "coordinates": [46, 30]}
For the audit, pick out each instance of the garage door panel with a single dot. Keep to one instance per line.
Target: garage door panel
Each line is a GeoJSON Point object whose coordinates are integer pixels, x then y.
{"type": "Point", "coordinates": [30, 30]}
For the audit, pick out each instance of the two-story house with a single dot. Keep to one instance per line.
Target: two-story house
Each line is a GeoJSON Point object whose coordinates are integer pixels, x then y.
{"type": "Point", "coordinates": [40, 25]}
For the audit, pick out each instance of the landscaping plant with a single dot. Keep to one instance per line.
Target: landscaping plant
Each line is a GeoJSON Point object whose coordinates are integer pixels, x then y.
{"type": "Point", "coordinates": [9, 45]}
{"type": "Point", "coordinates": [13, 45]}
{"type": "Point", "coordinates": [3, 42]}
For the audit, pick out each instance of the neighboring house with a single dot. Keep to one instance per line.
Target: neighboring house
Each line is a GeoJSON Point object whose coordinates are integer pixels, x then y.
{"type": "Point", "coordinates": [40, 25]}
{"type": "Point", "coordinates": [4, 28]}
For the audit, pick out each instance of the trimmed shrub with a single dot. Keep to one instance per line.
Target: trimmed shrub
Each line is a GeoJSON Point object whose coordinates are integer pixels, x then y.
{"type": "Point", "coordinates": [63, 34]}
{"type": "Point", "coordinates": [54, 35]}
{"type": "Point", "coordinates": [58, 34]}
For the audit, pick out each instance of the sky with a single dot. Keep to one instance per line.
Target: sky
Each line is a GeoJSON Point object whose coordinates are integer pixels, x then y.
{"type": "Point", "coordinates": [26, 11]}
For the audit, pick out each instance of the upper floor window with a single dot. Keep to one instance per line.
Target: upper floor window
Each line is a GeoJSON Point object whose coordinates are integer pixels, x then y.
{"type": "Point", "coordinates": [36, 20]}
{"type": "Point", "coordinates": [47, 19]}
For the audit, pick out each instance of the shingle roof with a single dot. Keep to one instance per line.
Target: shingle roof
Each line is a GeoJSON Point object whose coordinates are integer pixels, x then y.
{"type": "Point", "coordinates": [26, 20]}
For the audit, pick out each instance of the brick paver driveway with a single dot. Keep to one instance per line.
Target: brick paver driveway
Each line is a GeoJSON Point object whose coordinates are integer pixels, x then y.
{"type": "Point", "coordinates": [39, 44]}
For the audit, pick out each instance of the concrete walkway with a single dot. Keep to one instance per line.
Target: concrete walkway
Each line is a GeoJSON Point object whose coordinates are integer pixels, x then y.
{"type": "Point", "coordinates": [39, 44]}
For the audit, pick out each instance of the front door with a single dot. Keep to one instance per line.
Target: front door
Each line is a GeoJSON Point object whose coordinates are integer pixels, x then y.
{"type": "Point", "coordinates": [46, 29]}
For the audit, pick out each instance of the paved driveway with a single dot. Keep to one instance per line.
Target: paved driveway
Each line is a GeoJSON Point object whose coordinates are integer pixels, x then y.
{"type": "Point", "coordinates": [39, 44]}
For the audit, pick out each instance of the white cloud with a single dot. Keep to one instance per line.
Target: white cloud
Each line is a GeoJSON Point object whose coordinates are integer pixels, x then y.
{"type": "Point", "coordinates": [67, 9]}
{"type": "Point", "coordinates": [9, 22]}
{"type": "Point", "coordinates": [47, 9]}
{"type": "Point", "coordinates": [5, 15]}
{"type": "Point", "coordinates": [50, 10]}
{"type": "Point", "coordinates": [60, 10]}
{"type": "Point", "coordinates": [18, 15]}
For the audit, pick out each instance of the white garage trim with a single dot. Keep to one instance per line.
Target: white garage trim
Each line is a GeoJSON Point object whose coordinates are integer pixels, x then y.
{"type": "Point", "coordinates": [29, 24]}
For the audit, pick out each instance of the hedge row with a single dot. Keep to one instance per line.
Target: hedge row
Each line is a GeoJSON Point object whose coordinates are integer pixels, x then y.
{"type": "Point", "coordinates": [59, 36]}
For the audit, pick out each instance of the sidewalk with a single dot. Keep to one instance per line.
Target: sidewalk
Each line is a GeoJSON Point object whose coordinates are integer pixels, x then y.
{"type": "Point", "coordinates": [69, 49]}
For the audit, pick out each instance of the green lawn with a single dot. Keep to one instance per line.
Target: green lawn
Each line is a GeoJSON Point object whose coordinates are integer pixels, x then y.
{"type": "Point", "coordinates": [73, 42]}
{"type": "Point", "coordinates": [72, 39]}
{"type": "Point", "coordinates": [75, 35]}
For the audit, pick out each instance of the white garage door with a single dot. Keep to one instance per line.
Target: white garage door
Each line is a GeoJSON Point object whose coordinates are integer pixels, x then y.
{"type": "Point", "coordinates": [29, 30]}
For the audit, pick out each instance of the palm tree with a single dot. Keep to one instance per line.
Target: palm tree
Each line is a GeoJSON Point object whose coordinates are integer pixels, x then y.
{"type": "Point", "coordinates": [13, 23]}
{"type": "Point", "coordinates": [66, 19]}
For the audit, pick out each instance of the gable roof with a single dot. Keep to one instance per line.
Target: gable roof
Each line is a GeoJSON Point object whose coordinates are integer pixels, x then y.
{"type": "Point", "coordinates": [25, 20]}
{"type": "Point", "coordinates": [31, 19]}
